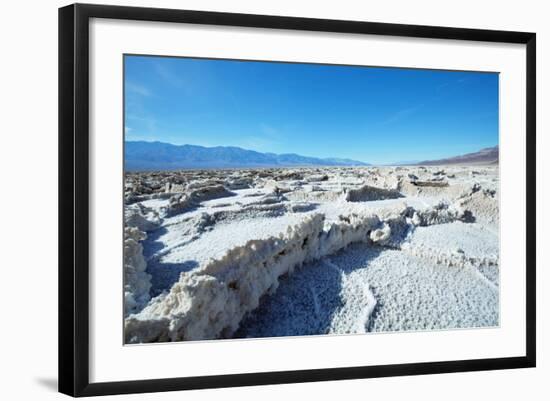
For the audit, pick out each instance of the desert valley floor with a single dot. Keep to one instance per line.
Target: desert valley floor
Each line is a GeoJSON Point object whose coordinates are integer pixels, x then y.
{"type": "Point", "coordinates": [304, 251]}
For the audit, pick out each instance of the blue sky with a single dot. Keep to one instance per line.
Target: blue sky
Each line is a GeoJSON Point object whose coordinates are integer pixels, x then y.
{"type": "Point", "coordinates": [375, 115]}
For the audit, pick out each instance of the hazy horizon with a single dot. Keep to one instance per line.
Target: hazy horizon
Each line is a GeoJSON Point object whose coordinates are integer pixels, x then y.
{"type": "Point", "coordinates": [321, 157]}
{"type": "Point", "coordinates": [368, 114]}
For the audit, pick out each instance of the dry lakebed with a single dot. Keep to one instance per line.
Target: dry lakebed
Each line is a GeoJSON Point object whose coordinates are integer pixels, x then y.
{"type": "Point", "coordinates": [247, 253]}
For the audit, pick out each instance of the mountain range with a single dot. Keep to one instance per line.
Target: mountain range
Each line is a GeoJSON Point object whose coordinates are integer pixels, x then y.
{"type": "Point", "coordinates": [142, 155]}
{"type": "Point", "coordinates": [483, 156]}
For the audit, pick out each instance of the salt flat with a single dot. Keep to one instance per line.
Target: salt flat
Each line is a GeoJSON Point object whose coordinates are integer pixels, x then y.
{"type": "Point", "coordinates": [306, 251]}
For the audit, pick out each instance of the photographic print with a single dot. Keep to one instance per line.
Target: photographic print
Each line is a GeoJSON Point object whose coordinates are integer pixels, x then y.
{"type": "Point", "coordinates": [272, 199]}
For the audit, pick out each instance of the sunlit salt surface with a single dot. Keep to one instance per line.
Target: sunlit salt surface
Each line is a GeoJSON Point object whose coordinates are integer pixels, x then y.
{"type": "Point", "coordinates": [306, 251]}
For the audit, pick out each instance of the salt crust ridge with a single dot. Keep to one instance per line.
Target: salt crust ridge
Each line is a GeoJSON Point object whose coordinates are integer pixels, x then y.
{"type": "Point", "coordinates": [211, 301]}
{"type": "Point", "coordinates": [137, 282]}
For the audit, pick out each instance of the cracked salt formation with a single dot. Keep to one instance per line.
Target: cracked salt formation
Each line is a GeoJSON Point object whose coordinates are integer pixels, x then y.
{"type": "Point", "coordinates": [225, 289]}
{"type": "Point", "coordinates": [137, 282]}
{"type": "Point", "coordinates": [369, 193]}
{"type": "Point", "coordinates": [256, 254]}
{"type": "Point", "coordinates": [422, 287]}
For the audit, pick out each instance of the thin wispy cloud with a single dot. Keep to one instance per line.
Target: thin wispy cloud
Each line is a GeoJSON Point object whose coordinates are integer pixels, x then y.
{"type": "Point", "coordinates": [410, 111]}
{"type": "Point", "coordinates": [258, 143]}
{"type": "Point", "coordinates": [449, 85]}
{"type": "Point", "coordinates": [402, 114]}
{"type": "Point", "coordinates": [140, 137]}
{"type": "Point", "coordinates": [145, 123]}
{"type": "Point", "coordinates": [268, 139]}
{"type": "Point", "coordinates": [169, 76]}
{"type": "Point", "coordinates": [269, 130]}
{"type": "Point", "coordinates": [137, 89]}
{"type": "Point", "coordinates": [442, 86]}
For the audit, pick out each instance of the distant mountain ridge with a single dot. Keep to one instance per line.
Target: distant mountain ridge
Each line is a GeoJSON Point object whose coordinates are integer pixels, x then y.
{"type": "Point", "coordinates": [142, 155]}
{"type": "Point", "coordinates": [484, 156]}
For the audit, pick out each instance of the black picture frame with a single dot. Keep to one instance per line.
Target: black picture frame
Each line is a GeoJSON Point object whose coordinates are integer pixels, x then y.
{"type": "Point", "coordinates": [74, 198]}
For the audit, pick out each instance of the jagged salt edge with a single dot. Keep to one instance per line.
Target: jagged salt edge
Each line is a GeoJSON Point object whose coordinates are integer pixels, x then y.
{"type": "Point", "coordinates": [181, 315]}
